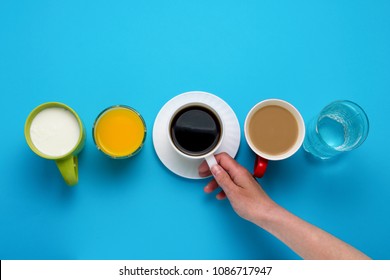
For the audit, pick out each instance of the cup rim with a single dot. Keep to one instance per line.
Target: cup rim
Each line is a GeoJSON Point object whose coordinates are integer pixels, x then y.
{"type": "Point", "coordinates": [113, 107]}
{"type": "Point", "coordinates": [203, 156]}
{"type": "Point", "coordinates": [30, 119]}
{"type": "Point", "coordinates": [301, 128]}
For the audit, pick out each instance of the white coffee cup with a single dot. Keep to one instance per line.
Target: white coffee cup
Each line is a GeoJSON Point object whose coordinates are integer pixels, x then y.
{"type": "Point", "coordinates": [184, 112]}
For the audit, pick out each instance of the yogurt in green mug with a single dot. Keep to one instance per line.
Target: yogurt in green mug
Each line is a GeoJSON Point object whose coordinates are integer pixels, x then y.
{"type": "Point", "coordinates": [54, 131]}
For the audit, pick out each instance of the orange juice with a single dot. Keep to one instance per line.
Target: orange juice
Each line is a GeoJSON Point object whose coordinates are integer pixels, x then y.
{"type": "Point", "coordinates": [119, 131]}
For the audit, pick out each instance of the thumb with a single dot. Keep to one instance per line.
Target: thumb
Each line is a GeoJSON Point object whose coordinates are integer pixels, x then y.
{"type": "Point", "coordinates": [223, 179]}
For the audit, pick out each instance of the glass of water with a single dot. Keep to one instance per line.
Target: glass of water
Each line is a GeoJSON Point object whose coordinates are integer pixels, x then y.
{"type": "Point", "coordinates": [340, 127]}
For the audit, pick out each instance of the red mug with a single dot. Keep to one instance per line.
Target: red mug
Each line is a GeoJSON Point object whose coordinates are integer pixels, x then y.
{"type": "Point", "coordinates": [274, 129]}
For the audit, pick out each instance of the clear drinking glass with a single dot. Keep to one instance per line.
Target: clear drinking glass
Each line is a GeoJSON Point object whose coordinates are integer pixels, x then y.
{"type": "Point", "coordinates": [340, 127]}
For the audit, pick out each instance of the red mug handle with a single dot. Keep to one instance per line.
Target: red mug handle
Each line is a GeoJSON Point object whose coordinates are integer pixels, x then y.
{"type": "Point", "coordinates": [260, 166]}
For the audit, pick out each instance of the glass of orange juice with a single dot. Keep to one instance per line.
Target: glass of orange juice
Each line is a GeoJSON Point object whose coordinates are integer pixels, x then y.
{"type": "Point", "coordinates": [119, 132]}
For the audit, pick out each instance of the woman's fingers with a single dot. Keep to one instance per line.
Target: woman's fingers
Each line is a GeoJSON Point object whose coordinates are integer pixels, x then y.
{"type": "Point", "coordinates": [204, 169]}
{"type": "Point", "coordinates": [211, 186]}
{"type": "Point", "coordinates": [221, 195]}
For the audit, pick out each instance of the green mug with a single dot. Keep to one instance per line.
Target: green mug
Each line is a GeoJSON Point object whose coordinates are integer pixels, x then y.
{"type": "Point", "coordinates": [54, 131]}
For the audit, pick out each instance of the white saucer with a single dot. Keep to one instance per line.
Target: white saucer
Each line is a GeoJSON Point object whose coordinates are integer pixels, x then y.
{"type": "Point", "coordinates": [188, 168]}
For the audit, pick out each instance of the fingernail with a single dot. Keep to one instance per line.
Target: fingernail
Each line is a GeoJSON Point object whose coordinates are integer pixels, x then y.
{"type": "Point", "coordinates": [215, 170]}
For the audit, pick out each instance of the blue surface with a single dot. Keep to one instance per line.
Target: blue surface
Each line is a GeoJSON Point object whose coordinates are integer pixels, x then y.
{"type": "Point", "coordinates": [93, 54]}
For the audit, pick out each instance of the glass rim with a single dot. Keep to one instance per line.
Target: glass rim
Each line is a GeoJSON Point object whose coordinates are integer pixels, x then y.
{"type": "Point", "coordinates": [366, 127]}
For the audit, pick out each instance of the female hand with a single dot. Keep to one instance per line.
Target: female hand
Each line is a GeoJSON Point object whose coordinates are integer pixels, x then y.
{"type": "Point", "coordinates": [250, 202]}
{"type": "Point", "coordinates": [246, 196]}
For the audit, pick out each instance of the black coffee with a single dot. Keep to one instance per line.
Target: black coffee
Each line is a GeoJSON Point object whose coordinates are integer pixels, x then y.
{"type": "Point", "coordinates": [195, 130]}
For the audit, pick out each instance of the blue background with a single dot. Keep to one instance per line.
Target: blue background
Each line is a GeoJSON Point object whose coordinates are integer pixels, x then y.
{"type": "Point", "coordinates": [93, 54]}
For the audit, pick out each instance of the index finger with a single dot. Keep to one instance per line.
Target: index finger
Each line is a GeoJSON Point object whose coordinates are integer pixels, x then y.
{"type": "Point", "coordinates": [226, 161]}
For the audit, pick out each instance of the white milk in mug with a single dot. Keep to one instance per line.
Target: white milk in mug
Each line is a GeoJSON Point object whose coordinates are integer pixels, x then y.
{"type": "Point", "coordinates": [54, 131]}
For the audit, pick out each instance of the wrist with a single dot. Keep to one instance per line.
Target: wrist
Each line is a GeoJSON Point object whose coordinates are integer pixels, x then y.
{"type": "Point", "coordinates": [266, 215]}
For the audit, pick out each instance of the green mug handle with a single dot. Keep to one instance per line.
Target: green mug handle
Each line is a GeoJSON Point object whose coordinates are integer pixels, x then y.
{"type": "Point", "coordinates": [69, 169]}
